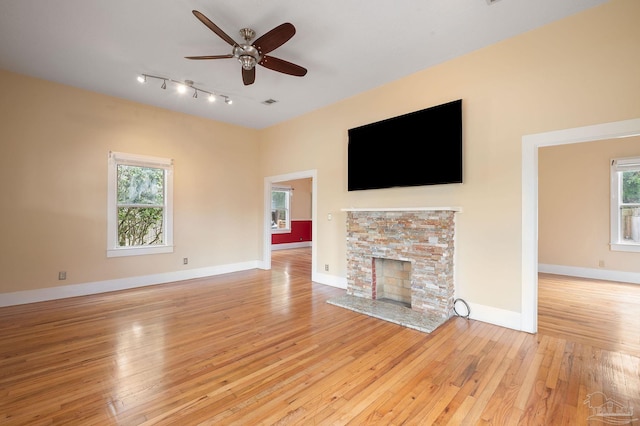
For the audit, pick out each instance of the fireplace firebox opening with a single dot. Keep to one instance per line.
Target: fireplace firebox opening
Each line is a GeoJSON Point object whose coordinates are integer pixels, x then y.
{"type": "Point", "coordinates": [391, 281]}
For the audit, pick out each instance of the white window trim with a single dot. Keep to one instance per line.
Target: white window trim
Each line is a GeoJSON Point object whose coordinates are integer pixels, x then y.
{"type": "Point", "coordinates": [289, 190]}
{"type": "Point", "coordinates": [116, 158]}
{"type": "Point", "coordinates": [618, 165]}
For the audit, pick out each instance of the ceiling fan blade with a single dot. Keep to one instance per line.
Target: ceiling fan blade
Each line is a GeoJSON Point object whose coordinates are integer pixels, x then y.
{"type": "Point", "coordinates": [210, 57]}
{"type": "Point", "coordinates": [282, 66]}
{"type": "Point", "coordinates": [274, 38]}
{"type": "Point", "coordinates": [213, 27]}
{"type": "Point", "coordinates": [248, 76]}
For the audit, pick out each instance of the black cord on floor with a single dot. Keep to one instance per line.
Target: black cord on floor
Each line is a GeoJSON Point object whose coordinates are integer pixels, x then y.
{"type": "Point", "coordinates": [465, 305]}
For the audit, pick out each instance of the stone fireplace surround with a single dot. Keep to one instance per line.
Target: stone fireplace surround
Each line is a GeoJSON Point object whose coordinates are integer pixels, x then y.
{"type": "Point", "coordinates": [422, 236]}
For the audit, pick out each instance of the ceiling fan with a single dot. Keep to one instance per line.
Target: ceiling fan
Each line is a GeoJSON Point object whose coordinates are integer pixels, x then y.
{"type": "Point", "coordinates": [252, 54]}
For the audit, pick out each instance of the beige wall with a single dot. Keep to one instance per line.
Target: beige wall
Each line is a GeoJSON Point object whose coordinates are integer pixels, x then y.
{"type": "Point", "coordinates": [301, 198]}
{"type": "Point", "coordinates": [573, 205]}
{"type": "Point", "coordinates": [54, 142]}
{"type": "Point", "coordinates": [578, 71]}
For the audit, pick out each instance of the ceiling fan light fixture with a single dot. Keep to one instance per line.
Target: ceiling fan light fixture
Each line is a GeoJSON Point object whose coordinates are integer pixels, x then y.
{"type": "Point", "coordinates": [248, 62]}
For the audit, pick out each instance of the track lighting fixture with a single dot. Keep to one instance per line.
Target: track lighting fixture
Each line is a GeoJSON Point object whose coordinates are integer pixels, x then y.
{"type": "Point", "coordinates": [182, 87]}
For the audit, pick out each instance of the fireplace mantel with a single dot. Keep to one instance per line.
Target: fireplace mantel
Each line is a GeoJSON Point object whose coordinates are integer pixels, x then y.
{"type": "Point", "coordinates": [402, 209]}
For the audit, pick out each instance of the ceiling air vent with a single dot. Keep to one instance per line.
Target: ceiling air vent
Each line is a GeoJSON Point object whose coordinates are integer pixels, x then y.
{"type": "Point", "coordinates": [269, 102]}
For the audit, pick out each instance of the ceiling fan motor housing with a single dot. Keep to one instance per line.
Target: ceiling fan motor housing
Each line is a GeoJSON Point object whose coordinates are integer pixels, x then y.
{"type": "Point", "coordinates": [248, 55]}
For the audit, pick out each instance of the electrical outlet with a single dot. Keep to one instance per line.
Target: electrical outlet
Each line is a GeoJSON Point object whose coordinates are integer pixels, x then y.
{"type": "Point", "coordinates": [601, 263]}
{"type": "Point", "coordinates": [62, 275]}
{"type": "Point", "coordinates": [185, 261]}
{"type": "Point", "coordinates": [326, 266]}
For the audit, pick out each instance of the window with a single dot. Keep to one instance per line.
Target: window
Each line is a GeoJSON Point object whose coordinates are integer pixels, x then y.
{"type": "Point", "coordinates": [139, 217]}
{"type": "Point", "coordinates": [625, 204]}
{"type": "Point", "coordinates": [280, 210]}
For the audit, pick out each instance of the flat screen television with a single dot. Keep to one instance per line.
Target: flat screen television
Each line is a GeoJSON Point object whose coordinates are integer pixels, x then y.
{"type": "Point", "coordinates": [419, 148]}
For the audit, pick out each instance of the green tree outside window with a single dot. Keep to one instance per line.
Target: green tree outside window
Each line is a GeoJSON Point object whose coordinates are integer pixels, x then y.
{"type": "Point", "coordinates": [280, 209]}
{"type": "Point", "coordinates": [140, 204]}
{"type": "Point", "coordinates": [631, 187]}
{"type": "Point", "coordinates": [630, 206]}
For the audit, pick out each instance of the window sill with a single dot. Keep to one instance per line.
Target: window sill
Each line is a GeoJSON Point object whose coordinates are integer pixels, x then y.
{"type": "Point", "coordinates": [138, 251]}
{"type": "Point", "coordinates": [625, 247]}
{"type": "Point", "coordinates": [281, 231]}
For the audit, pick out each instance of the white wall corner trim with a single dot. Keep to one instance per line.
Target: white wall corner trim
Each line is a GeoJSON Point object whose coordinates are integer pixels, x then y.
{"type": "Point", "coordinates": [84, 289]}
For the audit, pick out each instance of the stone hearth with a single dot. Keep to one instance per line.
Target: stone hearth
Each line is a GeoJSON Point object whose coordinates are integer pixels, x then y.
{"type": "Point", "coordinates": [422, 237]}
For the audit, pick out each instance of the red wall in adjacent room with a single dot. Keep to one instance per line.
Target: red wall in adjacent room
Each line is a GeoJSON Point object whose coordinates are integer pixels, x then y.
{"type": "Point", "coordinates": [300, 231]}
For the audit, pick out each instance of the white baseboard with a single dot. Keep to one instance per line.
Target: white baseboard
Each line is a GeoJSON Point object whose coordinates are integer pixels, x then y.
{"type": "Point", "coordinates": [478, 312]}
{"type": "Point", "coordinates": [513, 320]}
{"type": "Point", "coordinates": [331, 280]}
{"type": "Point", "coordinates": [285, 246]}
{"type": "Point", "coordinates": [495, 316]}
{"type": "Point", "coordinates": [84, 289]}
{"type": "Point", "coordinates": [592, 273]}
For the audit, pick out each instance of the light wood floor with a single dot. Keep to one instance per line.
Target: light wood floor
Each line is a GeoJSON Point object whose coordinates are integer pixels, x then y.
{"type": "Point", "coordinates": [593, 312]}
{"type": "Point", "coordinates": [264, 347]}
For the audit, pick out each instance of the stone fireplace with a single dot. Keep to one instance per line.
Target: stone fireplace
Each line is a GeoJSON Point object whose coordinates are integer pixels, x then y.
{"type": "Point", "coordinates": [414, 248]}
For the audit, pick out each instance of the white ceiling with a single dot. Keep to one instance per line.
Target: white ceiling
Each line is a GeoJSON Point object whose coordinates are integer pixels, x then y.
{"type": "Point", "coordinates": [348, 46]}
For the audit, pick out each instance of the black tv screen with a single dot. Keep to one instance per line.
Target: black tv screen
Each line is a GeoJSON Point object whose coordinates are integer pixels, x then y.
{"type": "Point", "coordinates": [419, 148]}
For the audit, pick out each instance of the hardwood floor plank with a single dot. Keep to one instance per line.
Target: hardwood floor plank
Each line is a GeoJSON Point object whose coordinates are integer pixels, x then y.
{"type": "Point", "coordinates": [264, 347]}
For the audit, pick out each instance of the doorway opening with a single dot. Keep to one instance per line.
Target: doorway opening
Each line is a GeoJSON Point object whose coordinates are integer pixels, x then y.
{"type": "Point", "coordinates": [273, 181]}
{"type": "Point", "coordinates": [530, 146]}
